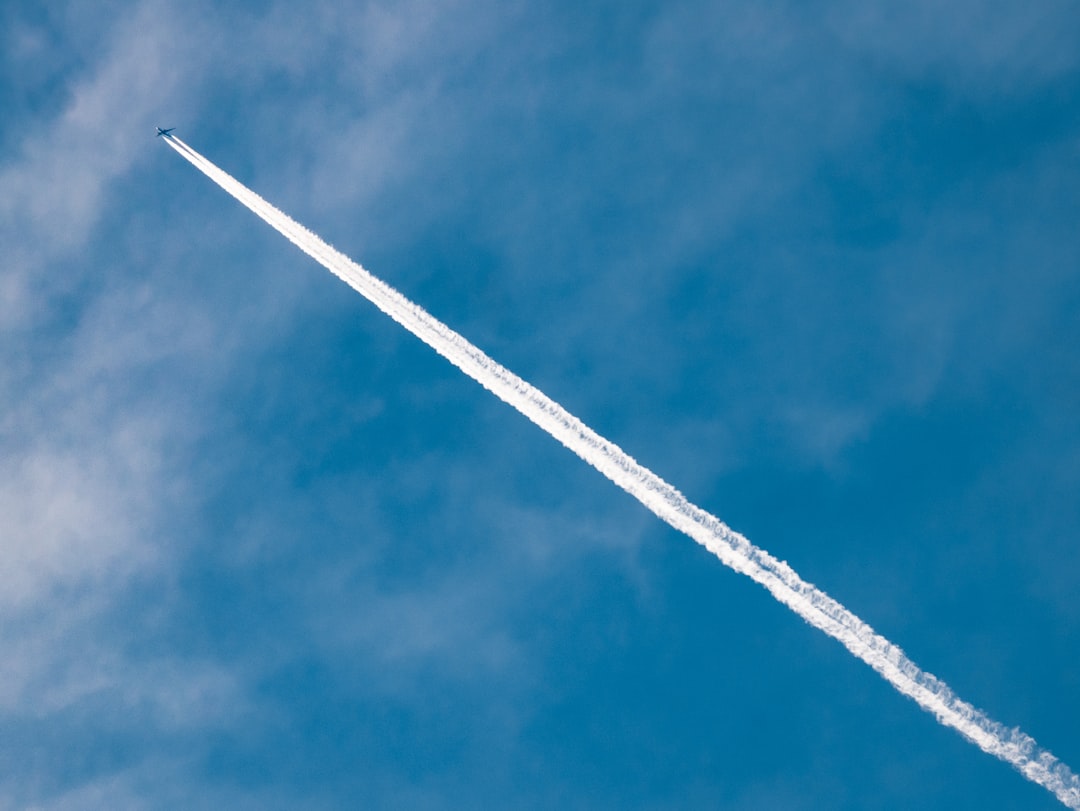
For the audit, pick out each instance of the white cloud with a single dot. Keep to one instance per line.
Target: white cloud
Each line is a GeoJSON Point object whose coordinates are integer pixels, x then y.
{"type": "Point", "coordinates": [69, 517]}
{"type": "Point", "coordinates": [91, 467]}
{"type": "Point", "coordinates": [56, 186]}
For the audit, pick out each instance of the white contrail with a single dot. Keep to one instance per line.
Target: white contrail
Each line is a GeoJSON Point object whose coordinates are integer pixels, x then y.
{"type": "Point", "coordinates": [809, 602]}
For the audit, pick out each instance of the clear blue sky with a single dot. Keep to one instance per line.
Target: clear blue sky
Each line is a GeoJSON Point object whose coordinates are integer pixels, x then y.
{"type": "Point", "coordinates": [820, 269]}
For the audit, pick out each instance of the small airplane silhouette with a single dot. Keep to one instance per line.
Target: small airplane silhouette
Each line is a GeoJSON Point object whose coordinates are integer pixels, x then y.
{"type": "Point", "coordinates": [160, 131]}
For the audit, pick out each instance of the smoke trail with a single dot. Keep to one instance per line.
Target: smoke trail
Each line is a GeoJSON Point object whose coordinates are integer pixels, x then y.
{"type": "Point", "coordinates": [734, 550]}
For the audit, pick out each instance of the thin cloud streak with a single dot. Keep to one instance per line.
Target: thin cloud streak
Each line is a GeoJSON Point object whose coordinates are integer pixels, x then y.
{"type": "Point", "coordinates": [733, 549]}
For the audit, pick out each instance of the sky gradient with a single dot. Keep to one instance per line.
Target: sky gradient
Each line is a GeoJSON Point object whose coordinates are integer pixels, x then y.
{"type": "Point", "coordinates": [817, 269]}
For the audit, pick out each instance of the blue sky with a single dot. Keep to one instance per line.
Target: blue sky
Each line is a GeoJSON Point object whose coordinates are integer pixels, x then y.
{"type": "Point", "coordinates": [818, 268]}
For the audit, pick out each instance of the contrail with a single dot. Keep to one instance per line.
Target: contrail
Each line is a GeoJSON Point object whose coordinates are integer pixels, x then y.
{"type": "Point", "coordinates": [734, 550]}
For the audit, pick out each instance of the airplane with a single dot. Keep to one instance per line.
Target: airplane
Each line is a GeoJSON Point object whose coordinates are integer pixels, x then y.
{"type": "Point", "coordinates": [160, 131]}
